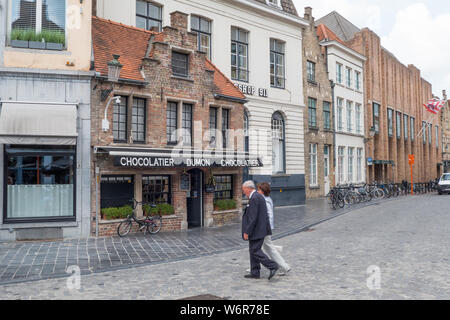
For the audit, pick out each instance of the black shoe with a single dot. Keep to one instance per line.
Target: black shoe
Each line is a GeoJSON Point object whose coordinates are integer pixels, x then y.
{"type": "Point", "coordinates": [250, 276]}
{"type": "Point", "coordinates": [273, 272]}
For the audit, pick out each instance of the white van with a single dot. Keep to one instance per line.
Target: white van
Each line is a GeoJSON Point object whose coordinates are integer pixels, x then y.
{"type": "Point", "coordinates": [444, 184]}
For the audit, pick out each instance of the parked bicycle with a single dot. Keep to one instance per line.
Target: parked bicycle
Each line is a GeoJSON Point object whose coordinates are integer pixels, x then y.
{"type": "Point", "coordinates": [150, 224]}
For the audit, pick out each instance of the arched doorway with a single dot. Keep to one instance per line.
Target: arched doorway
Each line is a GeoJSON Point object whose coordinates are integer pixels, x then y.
{"type": "Point", "coordinates": [194, 200]}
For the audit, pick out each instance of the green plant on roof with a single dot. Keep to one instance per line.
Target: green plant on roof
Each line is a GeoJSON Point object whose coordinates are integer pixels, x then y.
{"type": "Point", "coordinates": [31, 35]}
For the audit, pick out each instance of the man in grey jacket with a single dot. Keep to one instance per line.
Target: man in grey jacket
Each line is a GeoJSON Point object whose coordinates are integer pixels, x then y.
{"type": "Point", "coordinates": [255, 227]}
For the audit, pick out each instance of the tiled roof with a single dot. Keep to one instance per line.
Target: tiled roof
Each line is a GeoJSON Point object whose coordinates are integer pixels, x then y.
{"type": "Point", "coordinates": [325, 33]}
{"type": "Point", "coordinates": [343, 28]}
{"type": "Point", "coordinates": [224, 85]}
{"type": "Point", "coordinates": [130, 43]}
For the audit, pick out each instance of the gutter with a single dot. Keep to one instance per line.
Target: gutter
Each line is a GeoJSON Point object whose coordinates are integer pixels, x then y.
{"type": "Point", "coordinates": [234, 99]}
{"type": "Point", "coordinates": [121, 80]}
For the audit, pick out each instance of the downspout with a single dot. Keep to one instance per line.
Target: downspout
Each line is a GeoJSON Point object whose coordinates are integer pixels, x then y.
{"type": "Point", "coordinates": [334, 129]}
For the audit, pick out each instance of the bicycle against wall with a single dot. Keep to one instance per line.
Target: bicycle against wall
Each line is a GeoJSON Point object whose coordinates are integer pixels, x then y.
{"type": "Point", "coordinates": [150, 224]}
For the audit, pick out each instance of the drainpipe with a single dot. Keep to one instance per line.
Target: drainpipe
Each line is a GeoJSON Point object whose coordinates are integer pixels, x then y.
{"type": "Point", "coordinates": [97, 170]}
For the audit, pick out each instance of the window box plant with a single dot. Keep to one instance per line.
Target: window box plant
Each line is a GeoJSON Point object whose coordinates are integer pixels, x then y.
{"type": "Point", "coordinates": [116, 213]}
{"type": "Point", "coordinates": [225, 205]}
{"type": "Point", "coordinates": [162, 209]}
{"type": "Point", "coordinates": [46, 39]}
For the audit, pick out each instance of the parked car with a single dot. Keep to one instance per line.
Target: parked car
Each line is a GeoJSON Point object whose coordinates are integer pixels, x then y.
{"type": "Point", "coordinates": [444, 184]}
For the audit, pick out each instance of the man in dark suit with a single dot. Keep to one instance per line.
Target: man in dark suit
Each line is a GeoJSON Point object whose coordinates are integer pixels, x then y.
{"type": "Point", "coordinates": [255, 227]}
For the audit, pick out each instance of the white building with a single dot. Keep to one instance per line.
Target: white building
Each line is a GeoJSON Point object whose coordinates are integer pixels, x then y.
{"type": "Point", "coordinates": [258, 45]}
{"type": "Point", "coordinates": [345, 69]}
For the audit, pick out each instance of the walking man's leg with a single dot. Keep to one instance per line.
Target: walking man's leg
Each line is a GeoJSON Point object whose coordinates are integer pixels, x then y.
{"type": "Point", "coordinates": [259, 257]}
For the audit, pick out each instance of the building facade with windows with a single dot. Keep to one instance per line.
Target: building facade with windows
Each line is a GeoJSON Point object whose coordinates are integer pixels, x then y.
{"type": "Point", "coordinates": [176, 128]}
{"type": "Point", "coordinates": [394, 95]}
{"type": "Point", "coordinates": [45, 52]}
{"type": "Point", "coordinates": [445, 127]}
{"type": "Point", "coordinates": [255, 43]}
{"type": "Point", "coordinates": [349, 111]}
{"type": "Point", "coordinates": [318, 121]}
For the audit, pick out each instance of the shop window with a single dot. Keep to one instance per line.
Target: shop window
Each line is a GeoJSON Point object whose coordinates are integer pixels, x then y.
{"type": "Point", "coordinates": [40, 182]}
{"type": "Point", "coordinates": [224, 187]}
{"type": "Point", "coordinates": [148, 15]}
{"type": "Point", "coordinates": [156, 189]}
{"type": "Point", "coordinates": [116, 191]}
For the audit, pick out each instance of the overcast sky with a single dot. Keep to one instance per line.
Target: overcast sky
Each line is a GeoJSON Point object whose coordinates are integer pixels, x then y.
{"type": "Point", "coordinates": [416, 32]}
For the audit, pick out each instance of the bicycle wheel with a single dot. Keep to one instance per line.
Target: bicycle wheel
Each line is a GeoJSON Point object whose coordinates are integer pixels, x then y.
{"type": "Point", "coordinates": [124, 228]}
{"type": "Point", "coordinates": [155, 226]}
{"type": "Point", "coordinates": [340, 201]}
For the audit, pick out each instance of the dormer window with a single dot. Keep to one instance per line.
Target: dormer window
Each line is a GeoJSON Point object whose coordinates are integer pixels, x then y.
{"type": "Point", "coordinates": [275, 3]}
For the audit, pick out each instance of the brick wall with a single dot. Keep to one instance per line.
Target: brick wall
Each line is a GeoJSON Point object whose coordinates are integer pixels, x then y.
{"type": "Point", "coordinates": [401, 88]}
{"type": "Point", "coordinates": [321, 91]}
{"type": "Point", "coordinates": [198, 89]}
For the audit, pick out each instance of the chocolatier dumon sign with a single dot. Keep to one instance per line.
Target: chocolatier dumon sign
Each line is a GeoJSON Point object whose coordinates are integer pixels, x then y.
{"type": "Point", "coordinates": [166, 162]}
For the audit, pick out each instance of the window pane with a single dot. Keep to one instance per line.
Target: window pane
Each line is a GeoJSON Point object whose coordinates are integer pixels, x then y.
{"type": "Point", "coordinates": [154, 11]}
{"type": "Point", "coordinates": [171, 126]}
{"type": "Point", "coordinates": [224, 187]}
{"type": "Point", "coordinates": [156, 190]}
{"type": "Point", "coordinates": [205, 25]}
{"type": "Point", "coordinates": [120, 119]}
{"type": "Point", "coordinates": [141, 8]}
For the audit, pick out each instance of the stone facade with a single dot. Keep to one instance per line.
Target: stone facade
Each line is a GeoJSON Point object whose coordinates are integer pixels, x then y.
{"type": "Point", "coordinates": [318, 89]}
{"type": "Point", "coordinates": [445, 126]}
{"type": "Point", "coordinates": [158, 88]}
{"type": "Point", "coordinates": [400, 88]}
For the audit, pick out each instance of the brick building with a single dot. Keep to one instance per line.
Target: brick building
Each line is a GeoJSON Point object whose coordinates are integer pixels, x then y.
{"type": "Point", "coordinates": [445, 126]}
{"type": "Point", "coordinates": [318, 115]}
{"type": "Point", "coordinates": [170, 130]}
{"type": "Point", "coordinates": [394, 98]}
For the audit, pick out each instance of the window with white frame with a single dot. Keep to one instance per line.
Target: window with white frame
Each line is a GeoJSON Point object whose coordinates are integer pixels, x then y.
{"type": "Point", "coordinates": [358, 80]}
{"type": "Point", "coordinates": [348, 78]}
{"type": "Point", "coordinates": [349, 116]}
{"type": "Point", "coordinates": [341, 152]}
{"type": "Point", "coordinates": [39, 21]}
{"type": "Point", "coordinates": [359, 161]}
{"type": "Point", "coordinates": [239, 54]}
{"type": "Point", "coordinates": [202, 27]}
{"type": "Point", "coordinates": [358, 118]}
{"type": "Point", "coordinates": [313, 164]}
{"type": "Point", "coordinates": [350, 164]}
{"type": "Point", "coordinates": [339, 73]}
{"type": "Point", "coordinates": [148, 15]}
{"type": "Point", "coordinates": [278, 147]}
{"type": "Point", "coordinates": [340, 111]}
{"type": "Point", "coordinates": [277, 63]}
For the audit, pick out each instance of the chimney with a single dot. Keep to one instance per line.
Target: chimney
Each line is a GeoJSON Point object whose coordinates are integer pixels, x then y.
{"type": "Point", "coordinates": [179, 20]}
{"type": "Point", "coordinates": [308, 14]}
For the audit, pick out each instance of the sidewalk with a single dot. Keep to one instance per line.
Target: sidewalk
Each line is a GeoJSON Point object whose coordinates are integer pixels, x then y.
{"type": "Point", "coordinates": [29, 261]}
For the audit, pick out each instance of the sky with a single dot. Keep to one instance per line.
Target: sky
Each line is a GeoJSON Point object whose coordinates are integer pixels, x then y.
{"type": "Point", "coordinates": [416, 32]}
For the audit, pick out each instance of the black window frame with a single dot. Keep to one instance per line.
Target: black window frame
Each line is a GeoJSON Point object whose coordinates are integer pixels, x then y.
{"type": "Point", "coordinates": [51, 151]}
{"type": "Point", "coordinates": [312, 124]}
{"type": "Point", "coordinates": [218, 179]}
{"type": "Point", "coordinates": [186, 121]}
{"type": "Point", "coordinates": [327, 115]}
{"type": "Point", "coordinates": [168, 193]}
{"type": "Point", "coordinates": [225, 127]}
{"type": "Point", "coordinates": [147, 16]}
{"type": "Point", "coordinates": [123, 103]}
{"type": "Point", "coordinates": [170, 129]}
{"type": "Point", "coordinates": [238, 42]}
{"type": "Point", "coordinates": [213, 118]}
{"type": "Point", "coordinates": [274, 54]}
{"type": "Point", "coordinates": [202, 32]}
{"type": "Point", "coordinates": [311, 71]}
{"type": "Point", "coordinates": [115, 177]}
{"type": "Point", "coordinates": [144, 132]}
{"type": "Point", "coordinates": [176, 68]}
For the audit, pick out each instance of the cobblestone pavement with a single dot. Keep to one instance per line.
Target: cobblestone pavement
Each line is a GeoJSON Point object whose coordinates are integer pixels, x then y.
{"type": "Point", "coordinates": [407, 239]}
{"type": "Point", "coordinates": [29, 261]}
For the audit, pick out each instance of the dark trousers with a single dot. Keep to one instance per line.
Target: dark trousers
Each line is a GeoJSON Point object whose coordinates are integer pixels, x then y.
{"type": "Point", "coordinates": [258, 258]}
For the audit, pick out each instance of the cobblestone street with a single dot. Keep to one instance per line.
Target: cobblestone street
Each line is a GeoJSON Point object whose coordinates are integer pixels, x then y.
{"type": "Point", "coordinates": [407, 239]}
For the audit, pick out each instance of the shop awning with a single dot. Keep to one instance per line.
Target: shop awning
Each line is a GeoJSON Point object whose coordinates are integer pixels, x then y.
{"type": "Point", "coordinates": [38, 123]}
{"type": "Point", "coordinates": [173, 158]}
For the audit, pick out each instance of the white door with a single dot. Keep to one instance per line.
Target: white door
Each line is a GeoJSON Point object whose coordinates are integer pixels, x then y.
{"type": "Point", "coordinates": [326, 162]}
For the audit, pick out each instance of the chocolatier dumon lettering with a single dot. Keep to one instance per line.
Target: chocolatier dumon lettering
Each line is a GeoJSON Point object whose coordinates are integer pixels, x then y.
{"type": "Point", "coordinates": [143, 162]}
